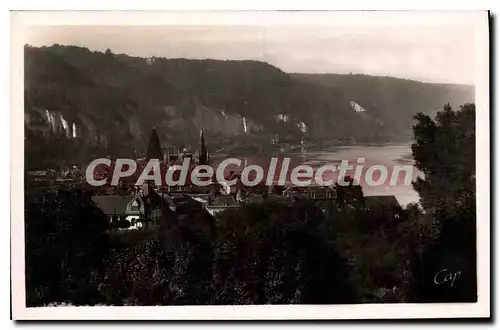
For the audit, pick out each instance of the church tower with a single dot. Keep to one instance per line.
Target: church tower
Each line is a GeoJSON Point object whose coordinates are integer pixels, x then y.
{"type": "Point", "coordinates": [203, 158]}
{"type": "Point", "coordinates": [154, 147]}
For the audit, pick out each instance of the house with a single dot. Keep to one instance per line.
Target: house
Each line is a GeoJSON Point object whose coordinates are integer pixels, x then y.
{"type": "Point", "coordinates": [119, 209]}
{"type": "Point", "coordinates": [385, 206]}
{"type": "Point", "coordinates": [388, 201]}
{"type": "Point", "coordinates": [185, 203]}
{"type": "Point", "coordinates": [311, 192]}
{"type": "Point", "coordinates": [277, 190]}
{"type": "Point", "coordinates": [260, 188]}
{"type": "Point", "coordinates": [203, 199]}
{"type": "Point", "coordinates": [230, 189]}
{"type": "Point", "coordinates": [141, 210]}
{"type": "Point", "coordinates": [39, 173]}
{"type": "Point", "coordinates": [213, 189]}
{"type": "Point", "coordinates": [253, 198]}
{"type": "Point", "coordinates": [185, 209]}
{"type": "Point", "coordinates": [222, 203]}
{"type": "Point", "coordinates": [181, 203]}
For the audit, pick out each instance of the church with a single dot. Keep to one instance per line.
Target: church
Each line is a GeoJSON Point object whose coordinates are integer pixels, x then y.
{"type": "Point", "coordinates": [172, 156]}
{"type": "Point", "coordinates": [143, 209]}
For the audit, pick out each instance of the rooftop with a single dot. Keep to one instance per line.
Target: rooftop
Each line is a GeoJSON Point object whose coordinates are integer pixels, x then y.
{"type": "Point", "coordinates": [112, 205]}
{"type": "Point", "coordinates": [387, 201]}
{"type": "Point", "coordinates": [224, 201]}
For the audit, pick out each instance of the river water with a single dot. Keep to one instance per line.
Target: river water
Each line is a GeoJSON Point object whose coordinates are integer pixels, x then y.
{"type": "Point", "coordinates": [385, 155]}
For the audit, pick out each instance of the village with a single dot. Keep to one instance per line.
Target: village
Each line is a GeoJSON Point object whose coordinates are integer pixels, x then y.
{"type": "Point", "coordinates": [133, 207]}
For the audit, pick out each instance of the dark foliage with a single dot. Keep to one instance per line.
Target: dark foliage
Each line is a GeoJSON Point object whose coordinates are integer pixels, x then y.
{"type": "Point", "coordinates": [273, 253]}
{"type": "Point", "coordinates": [445, 152]}
{"type": "Point", "coordinates": [169, 266]}
{"type": "Point", "coordinates": [244, 261]}
{"type": "Point", "coordinates": [378, 243]}
{"type": "Point", "coordinates": [65, 245]}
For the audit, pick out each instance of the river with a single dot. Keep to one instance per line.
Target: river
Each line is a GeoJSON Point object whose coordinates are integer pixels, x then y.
{"type": "Point", "coordinates": [385, 155]}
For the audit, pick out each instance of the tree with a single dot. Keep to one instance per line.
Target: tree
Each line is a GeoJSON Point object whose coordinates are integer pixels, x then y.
{"type": "Point", "coordinates": [203, 158]}
{"type": "Point", "coordinates": [274, 253]}
{"type": "Point", "coordinates": [65, 244]}
{"type": "Point", "coordinates": [154, 147]}
{"type": "Point", "coordinates": [171, 266]}
{"type": "Point", "coordinates": [445, 153]}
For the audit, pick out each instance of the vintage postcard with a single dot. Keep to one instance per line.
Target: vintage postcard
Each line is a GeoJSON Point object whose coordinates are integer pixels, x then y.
{"type": "Point", "coordinates": [250, 165]}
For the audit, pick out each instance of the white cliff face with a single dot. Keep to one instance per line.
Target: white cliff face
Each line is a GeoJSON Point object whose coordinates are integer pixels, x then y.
{"type": "Point", "coordinates": [49, 122]}
{"type": "Point", "coordinates": [58, 124]}
{"type": "Point", "coordinates": [212, 120]}
{"type": "Point", "coordinates": [245, 125]}
{"type": "Point", "coordinates": [252, 126]}
{"type": "Point", "coordinates": [356, 107]}
{"type": "Point", "coordinates": [282, 118]}
{"type": "Point", "coordinates": [55, 122]}
{"type": "Point", "coordinates": [366, 114]}
{"type": "Point", "coordinates": [302, 126]}
{"type": "Point", "coordinates": [65, 126]}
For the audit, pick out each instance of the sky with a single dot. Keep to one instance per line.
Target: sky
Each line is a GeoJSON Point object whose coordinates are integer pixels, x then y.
{"type": "Point", "coordinates": [425, 53]}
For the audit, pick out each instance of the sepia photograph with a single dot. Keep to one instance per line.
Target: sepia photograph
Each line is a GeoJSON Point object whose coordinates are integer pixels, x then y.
{"type": "Point", "coordinates": [250, 165]}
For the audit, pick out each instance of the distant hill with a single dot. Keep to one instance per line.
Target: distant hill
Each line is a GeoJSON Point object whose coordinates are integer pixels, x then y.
{"type": "Point", "coordinates": [391, 100]}
{"type": "Point", "coordinates": [107, 103]}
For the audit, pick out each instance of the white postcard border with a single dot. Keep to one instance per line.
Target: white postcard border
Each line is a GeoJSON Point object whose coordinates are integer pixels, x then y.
{"type": "Point", "coordinates": [477, 19]}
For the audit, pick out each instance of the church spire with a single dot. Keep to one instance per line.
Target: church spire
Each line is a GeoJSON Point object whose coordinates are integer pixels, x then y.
{"type": "Point", "coordinates": [203, 159]}
{"type": "Point", "coordinates": [154, 147]}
